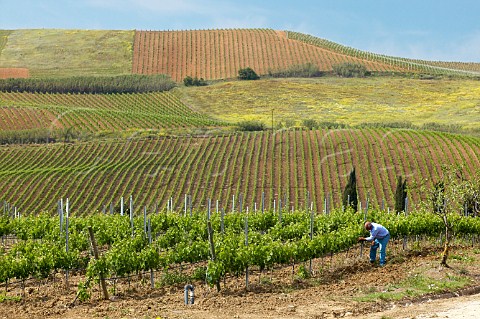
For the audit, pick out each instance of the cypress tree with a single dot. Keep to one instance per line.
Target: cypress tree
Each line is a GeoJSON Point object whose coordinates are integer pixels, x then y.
{"type": "Point", "coordinates": [350, 198]}
{"type": "Point", "coordinates": [400, 194]}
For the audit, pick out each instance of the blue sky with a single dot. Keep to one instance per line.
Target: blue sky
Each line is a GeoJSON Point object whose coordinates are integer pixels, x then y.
{"type": "Point", "coordinates": [424, 29]}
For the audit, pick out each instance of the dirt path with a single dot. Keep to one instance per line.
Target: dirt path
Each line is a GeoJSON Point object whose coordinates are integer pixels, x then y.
{"type": "Point", "coordinates": [465, 307]}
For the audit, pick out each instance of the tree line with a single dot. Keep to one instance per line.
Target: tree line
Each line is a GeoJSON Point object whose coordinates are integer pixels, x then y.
{"type": "Point", "coordinates": [132, 83]}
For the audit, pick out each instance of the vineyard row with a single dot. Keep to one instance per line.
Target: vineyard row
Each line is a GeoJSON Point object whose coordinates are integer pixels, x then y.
{"type": "Point", "coordinates": [136, 244]}
{"type": "Point", "coordinates": [97, 112]}
{"type": "Point", "coordinates": [291, 168]}
{"type": "Point", "coordinates": [219, 54]}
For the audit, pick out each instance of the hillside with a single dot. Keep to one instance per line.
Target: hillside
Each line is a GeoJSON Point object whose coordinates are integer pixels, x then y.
{"type": "Point", "coordinates": [415, 65]}
{"type": "Point", "coordinates": [341, 100]}
{"type": "Point", "coordinates": [286, 167]}
{"type": "Point", "coordinates": [97, 112]}
{"type": "Point", "coordinates": [219, 54]}
{"type": "Point", "coordinates": [60, 53]}
{"type": "Point", "coordinates": [209, 54]}
{"type": "Point", "coordinates": [344, 101]}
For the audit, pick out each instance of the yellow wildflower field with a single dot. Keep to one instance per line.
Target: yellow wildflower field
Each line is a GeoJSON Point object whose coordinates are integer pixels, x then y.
{"type": "Point", "coordinates": [350, 101]}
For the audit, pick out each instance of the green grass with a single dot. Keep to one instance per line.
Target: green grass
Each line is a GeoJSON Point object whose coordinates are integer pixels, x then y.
{"type": "Point", "coordinates": [463, 258]}
{"type": "Point", "coordinates": [347, 101]}
{"type": "Point", "coordinates": [4, 298]}
{"type": "Point", "coordinates": [54, 52]}
{"type": "Point", "coordinates": [3, 39]}
{"type": "Point", "coordinates": [415, 285]}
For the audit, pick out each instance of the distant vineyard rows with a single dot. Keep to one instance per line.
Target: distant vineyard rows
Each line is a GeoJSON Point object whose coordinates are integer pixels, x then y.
{"type": "Point", "coordinates": [219, 54]}
{"type": "Point", "coordinates": [286, 166]}
{"type": "Point", "coordinates": [431, 67]}
{"type": "Point", "coordinates": [97, 112]}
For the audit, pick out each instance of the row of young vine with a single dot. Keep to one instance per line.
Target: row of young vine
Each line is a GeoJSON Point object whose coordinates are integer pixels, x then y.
{"type": "Point", "coordinates": [97, 112]}
{"type": "Point", "coordinates": [273, 239]}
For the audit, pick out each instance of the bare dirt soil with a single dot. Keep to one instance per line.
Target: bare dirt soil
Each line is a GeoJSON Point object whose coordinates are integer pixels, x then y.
{"type": "Point", "coordinates": [333, 291]}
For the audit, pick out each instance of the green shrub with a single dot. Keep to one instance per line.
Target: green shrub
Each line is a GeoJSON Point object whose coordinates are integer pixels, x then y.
{"type": "Point", "coordinates": [306, 70]}
{"type": "Point", "coordinates": [399, 125]}
{"type": "Point", "coordinates": [349, 70]}
{"type": "Point", "coordinates": [310, 123]}
{"type": "Point", "coordinates": [250, 126]}
{"type": "Point", "coordinates": [450, 128]}
{"type": "Point", "coordinates": [189, 81]}
{"type": "Point", "coordinates": [247, 74]}
{"type": "Point", "coordinates": [332, 125]}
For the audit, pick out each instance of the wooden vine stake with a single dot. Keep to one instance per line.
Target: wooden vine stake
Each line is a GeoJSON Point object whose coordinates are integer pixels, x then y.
{"type": "Point", "coordinates": [212, 248]}
{"type": "Point", "coordinates": [95, 254]}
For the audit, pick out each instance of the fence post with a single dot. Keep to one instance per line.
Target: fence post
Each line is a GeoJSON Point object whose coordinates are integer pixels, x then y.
{"type": "Point", "coordinates": [145, 220]}
{"type": "Point", "coordinates": [209, 204]}
{"type": "Point", "coordinates": [131, 215]}
{"type": "Point", "coordinates": [185, 210]}
{"type": "Point", "coordinates": [364, 220]}
{"type": "Point", "coordinates": [66, 240]}
{"type": "Point", "coordinates": [222, 220]}
{"type": "Point", "coordinates": [246, 244]}
{"type": "Point", "coordinates": [240, 198]}
{"type": "Point", "coordinates": [311, 236]}
{"type": "Point", "coordinates": [263, 202]}
{"type": "Point", "coordinates": [152, 281]}
{"type": "Point", "coordinates": [60, 207]}
{"type": "Point", "coordinates": [190, 204]}
{"type": "Point", "coordinates": [212, 248]}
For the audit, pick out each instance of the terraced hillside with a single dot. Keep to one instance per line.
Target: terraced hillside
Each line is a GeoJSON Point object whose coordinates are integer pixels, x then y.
{"type": "Point", "coordinates": [97, 112]}
{"type": "Point", "coordinates": [286, 166]}
{"type": "Point", "coordinates": [219, 54]}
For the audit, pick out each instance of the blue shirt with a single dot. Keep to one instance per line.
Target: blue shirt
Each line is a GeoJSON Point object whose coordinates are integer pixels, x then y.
{"type": "Point", "coordinates": [378, 231]}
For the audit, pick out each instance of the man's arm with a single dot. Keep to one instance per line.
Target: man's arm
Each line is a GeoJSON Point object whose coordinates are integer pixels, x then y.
{"type": "Point", "coordinates": [373, 234]}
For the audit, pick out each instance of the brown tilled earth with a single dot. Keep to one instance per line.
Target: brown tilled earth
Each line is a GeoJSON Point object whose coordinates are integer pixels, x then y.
{"type": "Point", "coordinates": [332, 292]}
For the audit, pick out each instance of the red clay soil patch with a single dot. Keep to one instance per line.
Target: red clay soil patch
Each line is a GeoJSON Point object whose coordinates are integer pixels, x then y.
{"type": "Point", "coordinates": [6, 73]}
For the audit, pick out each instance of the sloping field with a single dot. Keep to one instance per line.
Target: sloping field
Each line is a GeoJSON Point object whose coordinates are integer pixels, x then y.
{"type": "Point", "coordinates": [287, 167]}
{"type": "Point", "coordinates": [347, 101]}
{"type": "Point", "coordinates": [219, 54]}
{"type": "Point", "coordinates": [97, 112]}
{"type": "Point", "coordinates": [431, 67]}
{"type": "Point", "coordinates": [58, 53]}
{"type": "Point", "coordinates": [3, 39]}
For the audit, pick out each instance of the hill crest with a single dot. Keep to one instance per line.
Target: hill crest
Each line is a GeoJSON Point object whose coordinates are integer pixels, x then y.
{"type": "Point", "coordinates": [210, 54]}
